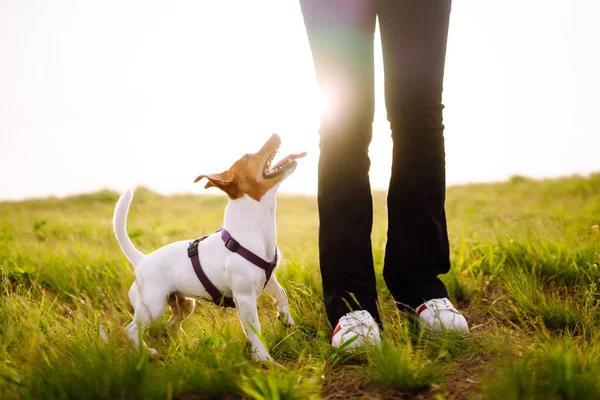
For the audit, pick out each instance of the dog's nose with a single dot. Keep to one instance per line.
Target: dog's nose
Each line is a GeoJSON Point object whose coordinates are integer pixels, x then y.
{"type": "Point", "coordinates": [275, 139]}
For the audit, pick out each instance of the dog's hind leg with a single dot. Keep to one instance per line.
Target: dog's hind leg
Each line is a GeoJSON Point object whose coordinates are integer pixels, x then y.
{"type": "Point", "coordinates": [275, 290]}
{"type": "Point", "coordinates": [147, 309]}
{"type": "Point", "coordinates": [181, 308]}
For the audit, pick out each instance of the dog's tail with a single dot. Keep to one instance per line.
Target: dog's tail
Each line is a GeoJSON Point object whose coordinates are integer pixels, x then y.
{"type": "Point", "coordinates": [120, 226]}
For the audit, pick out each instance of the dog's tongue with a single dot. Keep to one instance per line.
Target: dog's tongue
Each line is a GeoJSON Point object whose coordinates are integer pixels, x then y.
{"type": "Point", "coordinates": [295, 156]}
{"type": "Point", "coordinates": [290, 158]}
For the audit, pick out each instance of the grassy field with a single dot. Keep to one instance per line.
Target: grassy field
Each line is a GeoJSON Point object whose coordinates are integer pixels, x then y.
{"type": "Point", "coordinates": [525, 257]}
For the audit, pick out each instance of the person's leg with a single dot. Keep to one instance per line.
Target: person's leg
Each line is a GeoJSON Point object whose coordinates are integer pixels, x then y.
{"type": "Point", "coordinates": [414, 34]}
{"type": "Point", "coordinates": [341, 34]}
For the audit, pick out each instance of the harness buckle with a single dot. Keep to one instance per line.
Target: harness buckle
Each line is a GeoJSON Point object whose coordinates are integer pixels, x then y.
{"type": "Point", "coordinates": [192, 249]}
{"type": "Point", "coordinates": [232, 244]}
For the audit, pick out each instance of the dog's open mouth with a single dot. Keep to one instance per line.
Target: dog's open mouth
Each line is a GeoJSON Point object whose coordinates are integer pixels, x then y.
{"type": "Point", "coordinates": [283, 165]}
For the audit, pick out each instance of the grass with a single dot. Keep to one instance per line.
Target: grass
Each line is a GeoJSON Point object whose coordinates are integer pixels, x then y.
{"type": "Point", "coordinates": [526, 269]}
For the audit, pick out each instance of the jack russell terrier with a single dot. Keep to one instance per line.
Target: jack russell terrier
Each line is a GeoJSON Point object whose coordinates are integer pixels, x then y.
{"type": "Point", "coordinates": [230, 267]}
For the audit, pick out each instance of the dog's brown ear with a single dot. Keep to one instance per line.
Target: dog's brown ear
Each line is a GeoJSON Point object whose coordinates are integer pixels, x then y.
{"type": "Point", "coordinates": [225, 181]}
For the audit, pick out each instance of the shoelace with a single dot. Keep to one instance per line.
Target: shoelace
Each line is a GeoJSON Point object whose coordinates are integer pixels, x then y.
{"type": "Point", "coordinates": [438, 305]}
{"type": "Point", "coordinates": [355, 319]}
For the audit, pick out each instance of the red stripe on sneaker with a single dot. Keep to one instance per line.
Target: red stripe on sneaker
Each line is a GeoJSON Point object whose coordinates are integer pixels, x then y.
{"type": "Point", "coordinates": [421, 309]}
{"type": "Point", "coordinates": [338, 327]}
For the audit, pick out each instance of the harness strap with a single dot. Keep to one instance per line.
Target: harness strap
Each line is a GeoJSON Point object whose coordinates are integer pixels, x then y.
{"type": "Point", "coordinates": [218, 299]}
{"type": "Point", "coordinates": [234, 246]}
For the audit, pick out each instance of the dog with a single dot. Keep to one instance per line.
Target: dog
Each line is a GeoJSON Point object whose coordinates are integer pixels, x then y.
{"type": "Point", "coordinates": [170, 276]}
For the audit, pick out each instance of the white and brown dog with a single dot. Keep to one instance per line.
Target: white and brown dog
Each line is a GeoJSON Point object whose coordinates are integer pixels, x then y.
{"type": "Point", "coordinates": [231, 266]}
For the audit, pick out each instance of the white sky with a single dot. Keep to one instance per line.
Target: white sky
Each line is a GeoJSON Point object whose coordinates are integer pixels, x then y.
{"type": "Point", "coordinates": [116, 93]}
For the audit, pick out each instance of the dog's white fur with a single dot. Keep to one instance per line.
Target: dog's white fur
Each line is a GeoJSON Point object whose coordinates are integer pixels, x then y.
{"type": "Point", "coordinates": [168, 271]}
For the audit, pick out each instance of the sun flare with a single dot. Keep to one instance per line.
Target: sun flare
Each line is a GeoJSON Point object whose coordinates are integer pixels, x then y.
{"type": "Point", "coordinates": [323, 100]}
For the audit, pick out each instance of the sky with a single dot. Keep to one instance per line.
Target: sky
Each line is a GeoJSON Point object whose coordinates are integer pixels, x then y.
{"type": "Point", "coordinates": [114, 93]}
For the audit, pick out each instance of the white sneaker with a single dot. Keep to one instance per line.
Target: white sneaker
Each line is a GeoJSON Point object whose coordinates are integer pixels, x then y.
{"type": "Point", "coordinates": [440, 315]}
{"type": "Point", "coordinates": [356, 324]}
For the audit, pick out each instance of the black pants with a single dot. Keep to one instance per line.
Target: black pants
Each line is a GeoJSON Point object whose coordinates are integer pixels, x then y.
{"type": "Point", "coordinates": [414, 35]}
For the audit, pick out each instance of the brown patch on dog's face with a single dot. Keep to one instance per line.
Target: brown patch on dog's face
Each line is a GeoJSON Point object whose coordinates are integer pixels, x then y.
{"type": "Point", "coordinates": [252, 174]}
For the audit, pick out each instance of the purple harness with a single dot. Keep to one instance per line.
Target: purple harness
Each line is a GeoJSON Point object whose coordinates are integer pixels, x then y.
{"type": "Point", "coordinates": [234, 246]}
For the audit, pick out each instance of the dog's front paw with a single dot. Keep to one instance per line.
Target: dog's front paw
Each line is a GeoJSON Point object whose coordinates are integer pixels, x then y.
{"type": "Point", "coordinates": [152, 353]}
{"type": "Point", "coordinates": [260, 355]}
{"type": "Point", "coordinates": [286, 319]}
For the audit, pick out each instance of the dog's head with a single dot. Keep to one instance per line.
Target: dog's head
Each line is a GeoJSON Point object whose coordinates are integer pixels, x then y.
{"type": "Point", "coordinates": [253, 174]}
